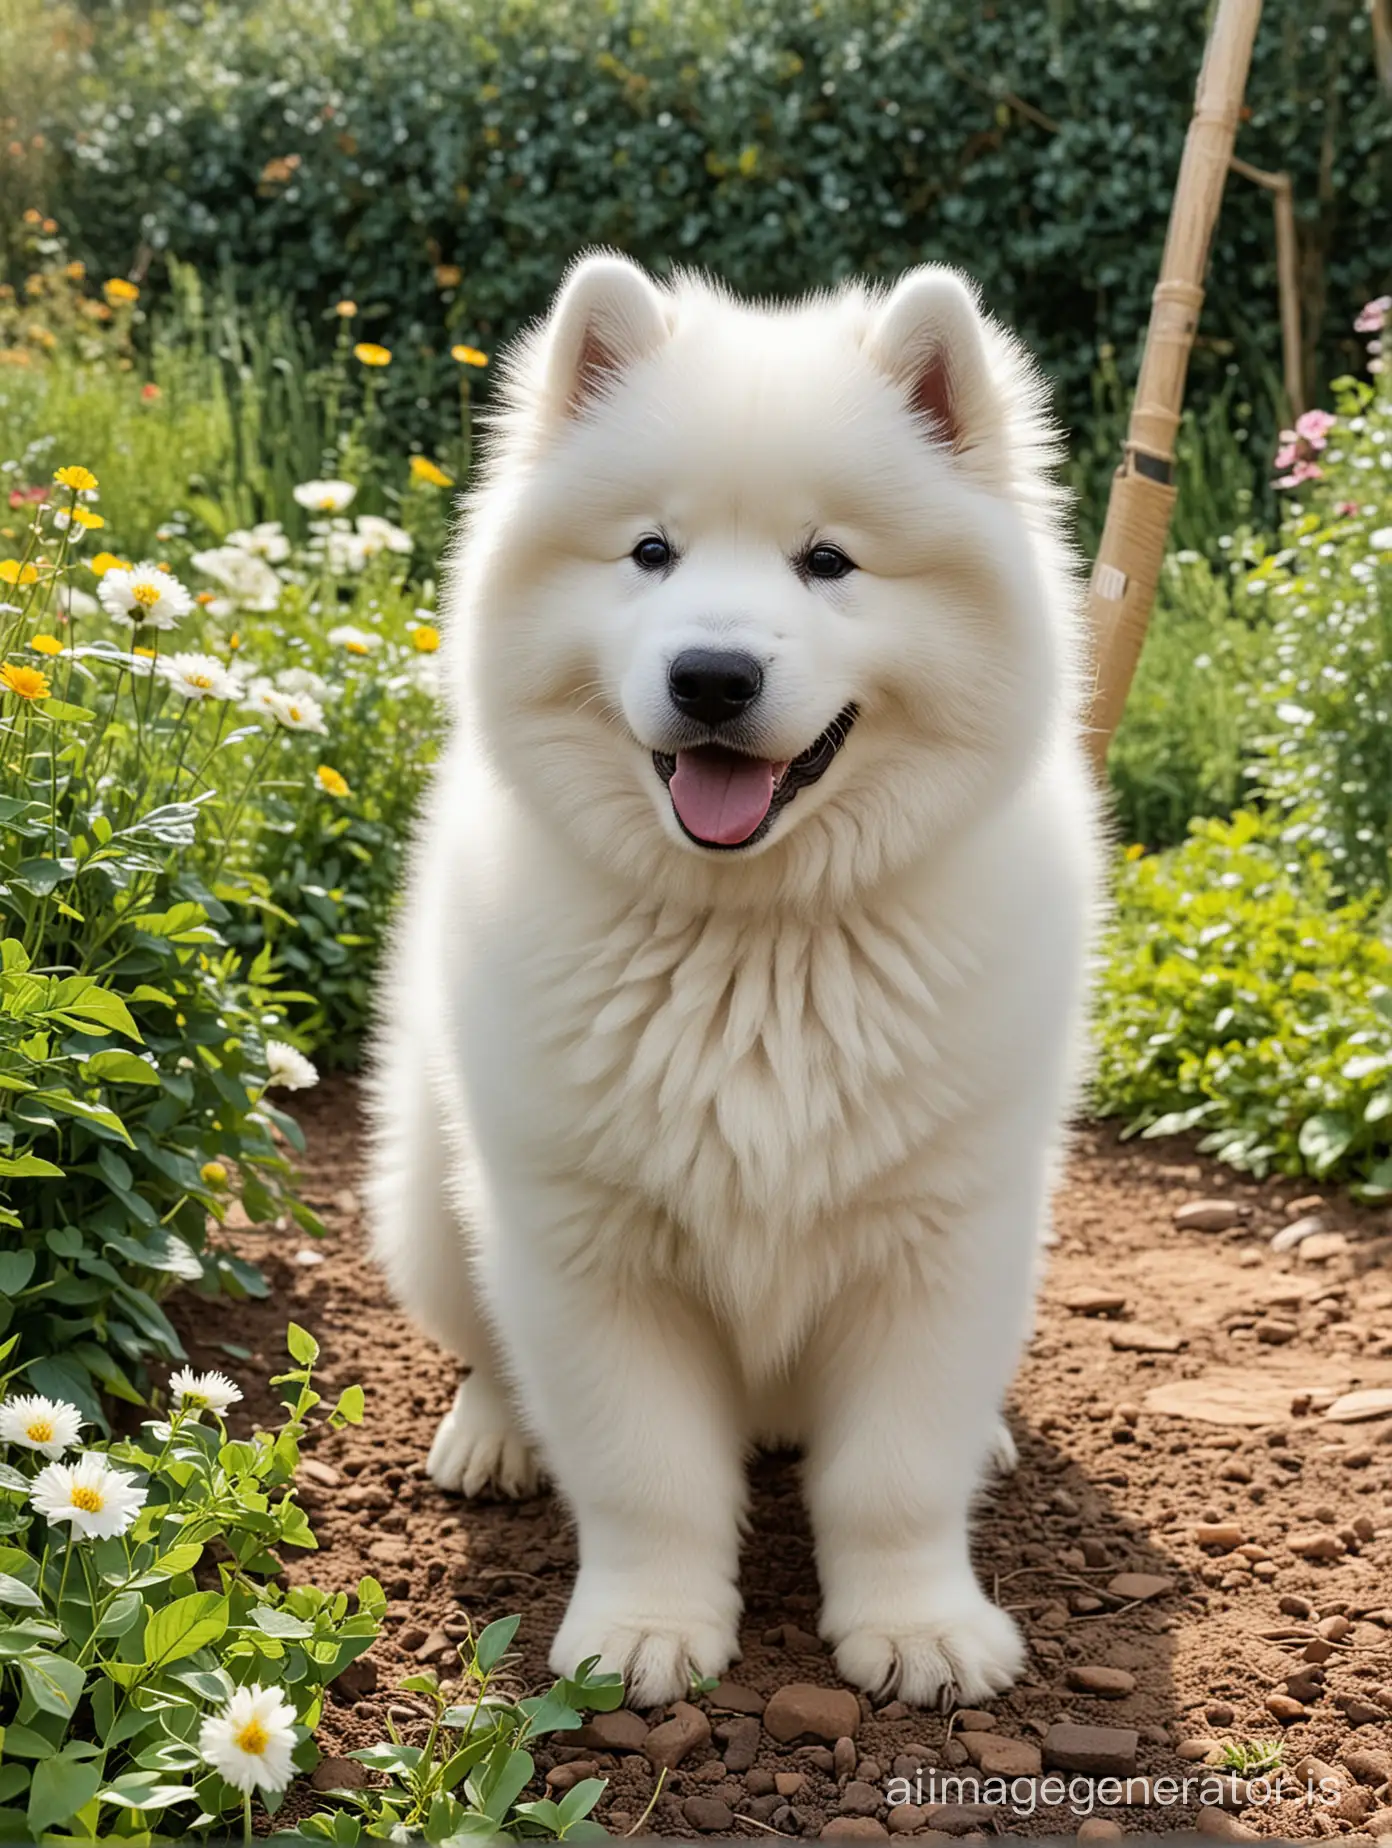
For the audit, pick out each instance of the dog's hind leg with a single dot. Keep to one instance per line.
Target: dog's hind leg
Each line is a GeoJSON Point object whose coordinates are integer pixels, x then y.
{"type": "Point", "coordinates": [420, 1239]}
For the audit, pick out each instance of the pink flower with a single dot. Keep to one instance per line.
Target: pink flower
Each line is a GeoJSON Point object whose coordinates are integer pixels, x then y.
{"type": "Point", "coordinates": [1303, 471]}
{"type": "Point", "coordinates": [1315, 426]}
{"type": "Point", "coordinates": [1288, 453]}
{"type": "Point", "coordinates": [1373, 314]}
{"type": "Point", "coordinates": [1347, 508]}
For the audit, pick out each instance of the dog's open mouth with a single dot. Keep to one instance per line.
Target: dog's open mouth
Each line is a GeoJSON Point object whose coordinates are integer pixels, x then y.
{"type": "Point", "coordinates": [725, 798]}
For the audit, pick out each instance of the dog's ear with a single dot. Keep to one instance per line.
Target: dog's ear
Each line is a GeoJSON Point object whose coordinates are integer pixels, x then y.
{"type": "Point", "coordinates": [930, 339]}
{"type": "Point", "coordinates": [608, 316]}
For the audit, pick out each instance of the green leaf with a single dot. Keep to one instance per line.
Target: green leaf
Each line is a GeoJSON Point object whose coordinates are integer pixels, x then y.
{"type": "Point", "coordinates": [28, 1167]}
{"type": "Point", "coordinates": [60, 1787]}
{"type": "Point", "coordinates": [181, 1558]}
{"type": "Point", "coordinates": [183, 1627]}
{"type": "Point", "coordinates": [68, 714]}
{"type": "Point", "coordinates": [106, 1009]}
{"type": "Point", "coordinates": [302, 1345]}
{"type": "Point", "coordinates": [15, 1591]}
{"type": "Point", "coordinates": [118, 1067]}
{"type": "Point", "coordinates": [494, 1641]}
{"type": "Point", "coordinates": [507, 1782]}
{"type": "Point", "coordinates": [1324, 1138]}
{"type": "Point", "coordinates": [16, 1268]}
{"type": "Point", "coordinates": [351, 1405]}
{"type": "Point", "coordinates": [53, 1684]}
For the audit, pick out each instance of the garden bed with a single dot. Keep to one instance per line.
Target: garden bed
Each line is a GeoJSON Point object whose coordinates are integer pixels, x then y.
{"type": "Point", "coordinates": [1260, 1341]}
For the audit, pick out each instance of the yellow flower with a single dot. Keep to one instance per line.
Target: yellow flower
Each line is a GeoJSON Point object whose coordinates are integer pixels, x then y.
{"type": "Point", "coordinates": [425, 639]}
{"type": "Point", "coordinates": [1135, 851]}
{"type": "Point", "coordinates": [345, 310]}
{"type": "Point", "coordinates": [107, 561]}
{"type": "Point", "coordinates": [75, 272]}
{"type": "Point", "coordinates": [80, 480]}
{"type": "Point", "coordinates": [26, 682]}
{"type": "Point", "coordinates": [448, 275]}
{"type": "Point", "coordinates": [32, 215]}
{"type": "Point", "coordinates": [45, 644]}
{"type": "Point", "coordinates": [119, 290]}
{"type": "Point", "coordinates": [372, 355]}
{"type": "Point", "coordinates": [12, 572]}
{"type": "Point", "coordinates": [234, 641]}
{"type": "Point", "coordinates": [85, 517]}
{"type": "Point", "coordinates": [468, 356]}
{"type": "Point", "coordinates": [148, 653]}
{"type": "Point", "coordinates": [331, 780]}
{"type": "Point", "coordinates": [423, 469]}
{"type": "Point", "coordinates": [213, 1174]}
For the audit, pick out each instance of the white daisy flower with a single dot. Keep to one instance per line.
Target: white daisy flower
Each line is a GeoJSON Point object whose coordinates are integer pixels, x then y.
{"type": "Point", "coordinates": [74, 603]}
{"type": "Point", "coordinates": [1381, 540]}
{"type": "Point", "coordinates": [49, 1426]}
{"type": "Point", "coordinates": [288, 1068]}
{"type": "Point", "coordinates": [303, 680]}
{"type": "Point", "coordinates": [98, 1501]}
{"type": "Point", "coordinates": [200, 676]}
{"type": "Point", "coordinates": [264, 540]}
{"type": "Point", "coordinates": [295, 711]}
{"type": "Point", "coordinates": [203, 1392]}
{"type": "Point", "coordinates": [347, 551]}
{"type": "Point", "coordinates": [252, 1740]}
{"type": "Point", "coordinates": [356, 641]}
{"type": "Point", "coordinates": [144, 596]}
{"type": "Point", "coordinates": [250, 580]}
{"type": "Point", "coordinates": [325, 496]}
{"type": "Point", "coordinates": [379, 535]}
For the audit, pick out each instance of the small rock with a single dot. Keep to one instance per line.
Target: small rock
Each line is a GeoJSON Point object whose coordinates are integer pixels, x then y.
{"type": "Point", "coordinates": [561, 1778]}
{"type": "Point", "coordinates": [855, 1829]}
{"type": "Point", "coordinates": [1275, 1331]}
{"type": "Point", "coordinates": [323, 1473]}
{"type": "Point", "coordinates": [741, 1742]}
{"type": "Point", "coordinates": [998, 1756]}
{"type": "Point", "coordinates": [338, 1774]}
{"type": "Point", "coordinates": [1293, 1606]}
{"type": "Point", "coordinates": [1093, 1302]}
{"type": "Point", "coordinates": [1321, 1247]}
{"type": "Point", "coordinates": [1360, 1712]}
{"type": "Point", "coordinates": [801, 1642]}
{"type": "Point", "coordinates": [1099, 1829]}
{"type": "Point", "coordinates": [1225, 1828]}
{"type": "Point", "coordinates": [1379, 1825]}
{"type": "Point", "coordinates": [1106, 1751]}
{"type": "Point", "coordinates": [1315, 1771]}
{"type": "Point", "coordinates": [1139, 1587]}
{"type": "Point", "coordinates": [960, 1818]}
{"type": "Point", "coordinates": [730, 1697]}
{"type": "Point", "coordinates": [1210, 1215]}
{"type": "Point", "coordinates": [668, 1744]}
{"type": "Point", "coordinates": [788, 1783]}
{"type": "Point", "coordinates": [358, 1679]}
{"type": "Point", "coordinates": [435, 1646]}
{"type": "Point", "coordinates": [1137, 1338]}
{"type": "Point", "coordinates": [1219, 1713]}
{"type": "Point", "coordinates": [761, 1783]}
{"type": "Point", "coordinates": [1320, 1544]}
{"type": "Point", "coordinates": [708, 1814]}
{"type": "Point", "coordinates": [843, 1757]}
{"type": "Point", "coordinates": [1353, 1407]}
{"type": "Point", "coordinates": [1373, 1768]}
{"type": "Point", "coordinates": [801, 1711]}
{"type": "Point", "coordinates": [1105, 1683]}
{"type": "Point", "coordinates": [1281, 1707]}
{"type": "Point", "coordinates": [619, 1731]}
{"type": "Point", "coordinates": [1226, 1535]}
{"type": "Point", "coordinates": [906, 1818]}
{"type": "Point", "coordinates": [859, 1798]}
{"type": "Point", "coordinates": [1297, 1232]}
{"type": "Point", "coordinates": [975, 1719]}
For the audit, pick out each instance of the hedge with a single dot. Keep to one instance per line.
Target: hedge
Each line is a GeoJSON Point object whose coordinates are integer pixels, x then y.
{"type": "Point", "coordinates": [439, 163]}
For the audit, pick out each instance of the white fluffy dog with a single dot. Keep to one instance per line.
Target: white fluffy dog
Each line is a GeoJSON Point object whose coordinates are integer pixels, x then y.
{"type": "Point", "coordinates": [736, 999]}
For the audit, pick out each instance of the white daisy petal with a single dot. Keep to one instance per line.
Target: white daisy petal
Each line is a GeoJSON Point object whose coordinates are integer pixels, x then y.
{"type": "Point", "coordinates": [356, 641]}
{"type": "Point", "coordinates": [200, 676]}
{"type": "Point", "coordinates": [252, 1740]}
{"type": "Point", "coordinates": [144, 596]}
{"type": "Point", "coordinates": [295, 711]}
{"type": "Point", "coordinates": [211, 1392]}
{"type": "Point", "coordinates": [49, 1426]}
{"type": "Point", "coordinates": [288, 1067]}
{"type": "Point", "coordinates": [97, 1501]}
{"type": "Point", "coordinates": [325, 496]}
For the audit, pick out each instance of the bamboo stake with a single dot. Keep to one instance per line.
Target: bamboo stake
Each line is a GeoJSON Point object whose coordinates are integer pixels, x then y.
{"type": "Point", "coordinates": [1129, 559]}
{"type": "Point", "coordinates": [1287, 277]}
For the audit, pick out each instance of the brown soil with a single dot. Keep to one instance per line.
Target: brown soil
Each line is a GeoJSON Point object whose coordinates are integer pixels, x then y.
{"type": "Point", "coordinates": [1105, 1485]}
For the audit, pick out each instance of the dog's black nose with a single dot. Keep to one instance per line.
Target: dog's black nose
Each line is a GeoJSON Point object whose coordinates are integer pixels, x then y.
{"type": "Point", "coordinates": [714, 685]}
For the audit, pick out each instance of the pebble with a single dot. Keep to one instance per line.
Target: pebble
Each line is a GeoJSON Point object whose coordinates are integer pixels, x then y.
{"type": "Point", "coordinates": [1219, 1713]}
{"type": "Point", "coordinates": [1139, 1587]}
{"type": "Point", "coordinates": [1106, 1751]}
{"type": "Point", "coordinates": [1320, 1544]}
{"type": "Point", "coordinates": [1225, 1828]}
{"type": "Point", "coordinates": [1226, 1535]}
{"type": "Point", "coordinates": [1373, 1768]}
{"type": "Point", "coordinates": [1210, 1215]}
{"type": "Point", "coordinates": [1293, 1606]}
{"type": "Point", "coordinates": [619, 1731]}
{"type": "Point", "coordinates": [1353, 1407]}
{"type": "Point", "coordinates": [975, 1719]}
{"type": "Point", "coordinates": [1193, 1751]}
{"type": "Point", "coordinates": [854, 1828]}
{"type": "Point", "coordinates": [1317, 1771]}
{"type": "Point", "coordinates": [906, 1819]}
{"type": "Point", "coordinates": [1099, 1829]}
{"type": "Point", "coordinates": [761, 1783]}
{"type": "Point", "coordinates": [960, 1818]}
{"type": "Point", "coordinates": [437, 1644]}
{"type": "Point", "coordinates": [561, 1778]}
{"type": "Point", "coordinates": [1275, 1331]}
{"type": "Point", "coordinates": [1106, 1683]}
{"type": "Point", "coordinates": [324, 1474]}
{"type": "Point", "coordinates": [801, 1642]}
{"type": "Point", "coordinates": [668, 1744]}
{"type": "Point", "coordinates": [1321, 1247]}
{"type": "Point", "coordinates": [800, 1710]}
{"type": "Point", "coordinates": [730, 1697]}
{"type": "Point", "coordinates": [338, 1774]}
{"type": "Point", "coordinates": [708, 1814]}
{"type": "Point", "coordinates": [357, 1680]}
{"type": "Point", "coordinates": [788, 1783]}
{"type": "Point", "coordinates": [1283, 1708]}
{"type": "Point", "coordinates": [1360, 1712]}
{"type": "Point", "coordinates": [1297, 1232]}
{"type": "Point", "coordinates": [859, 1798]}
{"type": "Point", "coordinates": [1137, 1338]}
{"type": "Point", "coordinates": [843, 1757]}
{"type": "Point", "coordinates": [1094, 1302]}
{"type": "Point", "coordinates": [741, 1739]}
{"type": "Point", "coordinates": [1379, 1825]}
{"type": "Point", "coordinates": [1333, 1629]}
{"type": "Point", "coordinates": [998, 1756]}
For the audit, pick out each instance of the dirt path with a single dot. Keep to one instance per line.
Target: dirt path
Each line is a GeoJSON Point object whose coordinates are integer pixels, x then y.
{"type": "Point", "coordinates": [1214, 1645]}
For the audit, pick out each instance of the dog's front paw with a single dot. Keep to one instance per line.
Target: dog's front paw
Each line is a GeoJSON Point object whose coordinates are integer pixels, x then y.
{"type": "Point", "coordinates": [478, 1449]}
{"type": "Point", "coordinates": [659, 1646]}
{"type": "Point", "coordinates": [962, 1651]}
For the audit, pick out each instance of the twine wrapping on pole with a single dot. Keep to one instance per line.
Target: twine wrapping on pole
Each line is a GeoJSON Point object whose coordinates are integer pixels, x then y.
{"type": "Point", "coordinates": [1132, 551]}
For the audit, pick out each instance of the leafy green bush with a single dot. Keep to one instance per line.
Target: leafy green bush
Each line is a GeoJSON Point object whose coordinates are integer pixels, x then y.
{"type": "Point", "coordinates": [140, 1617]}
{"type": "Point", "coordinates": [441, 162]}
{"type": "Point", "coordinates": [1239, 998]}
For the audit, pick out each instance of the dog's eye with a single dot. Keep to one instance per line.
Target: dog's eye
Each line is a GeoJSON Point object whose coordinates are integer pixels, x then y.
{"type": "Point", "coordinates": [652, 553]}
{"type": "Point", "coordinates": [827, 562]}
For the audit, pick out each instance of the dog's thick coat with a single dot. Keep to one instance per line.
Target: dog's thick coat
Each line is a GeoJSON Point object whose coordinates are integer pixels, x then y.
{"type": "Point", "coordinates": [680, 1143]}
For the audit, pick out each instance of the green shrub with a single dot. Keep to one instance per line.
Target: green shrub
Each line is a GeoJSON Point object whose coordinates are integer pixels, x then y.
{"type": "Point", "coordinates": [1239, 998]}
{"type": "Point", "coordinates": [137, 1607]}
{"type": "Point", "coordinates": [442, 162]}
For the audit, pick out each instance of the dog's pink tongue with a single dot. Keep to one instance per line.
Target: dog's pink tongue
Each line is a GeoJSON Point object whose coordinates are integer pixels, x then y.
{"type": "Point", "coordinates": [720, 795]}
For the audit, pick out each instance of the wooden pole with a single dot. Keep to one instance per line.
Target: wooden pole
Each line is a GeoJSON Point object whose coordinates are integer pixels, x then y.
{"type": "Point", "coordinates": [1132, 551]}
{"type": "Point", "coordinates": [1287, 277]}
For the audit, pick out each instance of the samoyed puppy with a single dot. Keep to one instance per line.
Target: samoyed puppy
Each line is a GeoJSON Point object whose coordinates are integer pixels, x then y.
{"type": "Point", "coordinates": [734, 1009]}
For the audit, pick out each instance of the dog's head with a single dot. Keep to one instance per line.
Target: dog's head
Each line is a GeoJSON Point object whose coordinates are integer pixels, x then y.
{"type": "Point", "coordinates": [763, 603]}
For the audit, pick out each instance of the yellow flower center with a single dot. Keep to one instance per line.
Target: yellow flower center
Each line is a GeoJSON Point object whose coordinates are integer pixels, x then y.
{"type": "Point", "coordinates": [295, 713]}
{"type": "Point", "coordinates": [200, 680]}
{"type": "Point", "coordinates": [40, 1432]}
{"type": "Point", "coordinates": [328, 503]}
{"type": "Point", "coordinates": [253, 1738]}
{"type": "Point", "coordinates": [146, 595]}
{"type": "Point", "coordinates": [88, 1500]}
{"type": "Point", "coordinates": [356, 647]}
